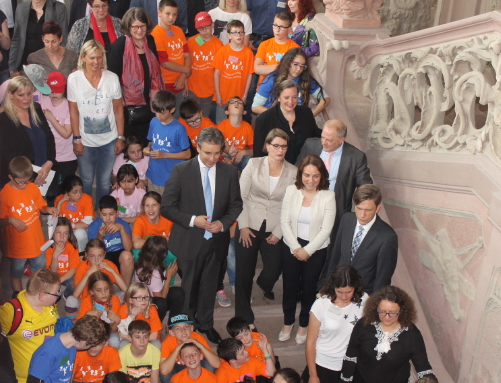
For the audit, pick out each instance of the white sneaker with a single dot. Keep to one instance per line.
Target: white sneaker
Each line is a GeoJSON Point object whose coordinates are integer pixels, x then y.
{"type": "Point", "coordinates": [223, 299]}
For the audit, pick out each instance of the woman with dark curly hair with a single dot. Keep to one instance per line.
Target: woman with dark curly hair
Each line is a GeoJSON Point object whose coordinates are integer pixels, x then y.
{"type": "Point", "coordinates": [307, 217]}
{"type": "Point", "coordinates": [332, 318]}
{"type": "Point", "coordinates": [292, 67]}
{"type": "Point", "coordinates": [384, 342]}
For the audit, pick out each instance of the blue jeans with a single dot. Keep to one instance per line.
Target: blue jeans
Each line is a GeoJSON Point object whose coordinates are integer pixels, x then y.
{"type": "Point", "coordinates": [17, 265]}
{"type": "Point", "coordinates": [98, 162]}
{"type": "Point", "coordinates": [231, 266]}
{"type": "Point", "coordinates": [69, 286]}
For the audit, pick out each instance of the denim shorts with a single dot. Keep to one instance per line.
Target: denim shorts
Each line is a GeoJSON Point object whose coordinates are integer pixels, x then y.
{"type": "Point", "coordinates": [17, 265]}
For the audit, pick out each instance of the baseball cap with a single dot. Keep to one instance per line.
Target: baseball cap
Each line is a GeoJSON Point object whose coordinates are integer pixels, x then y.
{"type": "Point", "coordinates": [178, 318]}
{"type": "Point", "coordinates": [202, 19]}
{"type": "Point", "coordinates": [56, 82]}
{"type": "Point", "coordinates": [38, 76]}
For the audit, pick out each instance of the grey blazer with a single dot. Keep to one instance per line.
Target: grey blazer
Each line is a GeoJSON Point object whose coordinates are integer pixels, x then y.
{"type": "Point", "coordinates": [54, 10]}
{"type": "Point", "coordinates": [259, 205]}
{"type": "Point", "coordinates": [79, 31]}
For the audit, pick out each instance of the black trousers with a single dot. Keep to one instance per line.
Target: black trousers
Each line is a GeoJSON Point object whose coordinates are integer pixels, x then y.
{"type": "Point", "coordinates": [246, 259]}
{"type": "Point", "coordinates": [199, 282]}
{"type": "Point", "coordinates": [300, 276]}
{"type": "Point", "coordinates": [324, 375]}
{"type": "Point", "coordinates": [62, 169]}
{"type": "Point", "coordinates": [174, 301]}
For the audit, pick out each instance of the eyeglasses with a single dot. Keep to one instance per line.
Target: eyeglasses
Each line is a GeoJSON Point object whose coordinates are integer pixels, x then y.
{"type": "Point", "coordinates": [58, 295]}
{"type": "Point", "coordinates": [21, 183]}
{"type": "Point", "coordinates": [283, 147]}
{"type": "Point", "coordinates": [135, 28]}
{"type": "Point", "coordinates": [205, 28]}
{"type": "Point", "coordinates": [391, 314]}
{"type": "Point", "coordinates": [298, 65]}
{"type": "Point", "coordinates": [101, 256]}
{"type": "Point", "coordinates": [194, 121]}
{"type": "Point", "coordinates": [238, 102]}
{"type": "Point", "coordinates": [241, 33]}
{"type": "Point", "coordinates": [98, 7]}
{"type": "Point", "coordinates": [140, 299]}
{"type": "Point", "coordinates": [279, 27]}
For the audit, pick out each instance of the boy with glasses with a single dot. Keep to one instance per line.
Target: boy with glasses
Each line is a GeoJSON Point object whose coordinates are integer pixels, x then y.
{"type": "Point", "coordinates": [193, 120]}
{"type": "Point", "coordinates": [20, 206]}
{"type": "Point", "coordinates": [233, 69]}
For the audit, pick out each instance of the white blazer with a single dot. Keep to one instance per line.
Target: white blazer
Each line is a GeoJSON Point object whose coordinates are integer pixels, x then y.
{"type": "Point", "coordinates": [323, 213]}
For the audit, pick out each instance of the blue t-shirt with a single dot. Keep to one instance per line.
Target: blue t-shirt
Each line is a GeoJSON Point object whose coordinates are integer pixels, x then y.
{"type": "Point", "coordinates": [262, 14]}
{"type": "Point", "coordinates": [52, 362]}
{"type": "Point", "coordinates": [112, 242]}
{"type": "Point", "coordinates": [170, 138]}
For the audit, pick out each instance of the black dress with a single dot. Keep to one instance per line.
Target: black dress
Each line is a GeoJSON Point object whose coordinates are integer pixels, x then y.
{"type": "Point", "coordinates": [363, 364]}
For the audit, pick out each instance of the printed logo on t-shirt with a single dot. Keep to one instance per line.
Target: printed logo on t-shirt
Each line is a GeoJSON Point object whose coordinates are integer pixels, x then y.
{"type": "Point", "coordinates": [161, 143]}
{"type": "Point", "coordinates": [234, 141]}
{"type": "Point", "coordinates": [234, 67]}
{"type": "Point", "coordinates": [66, 366]}
{"type": "Point", "coordinates": [97, 125]}
{"type": "Point", "coordinates": [175, 49]}
{"type": "Point", "coordinates": [273, 57]}
{"type": "Point", "coordinates": [28, 211]}
{"type": "Point", "coordinates": [139, 374]}
{"type": "Point", "coordinates": [202, 60]}
{"type": "Point", "coordinates": [112, 242]}
{"type": "Point", "coordinates": [88, 370]}
{"type": "Point", "coordinates": [219, 26]}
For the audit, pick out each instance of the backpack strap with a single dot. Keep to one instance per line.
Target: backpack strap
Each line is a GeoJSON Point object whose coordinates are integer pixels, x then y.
{"type": "Point", "coordinates": [18, 315]}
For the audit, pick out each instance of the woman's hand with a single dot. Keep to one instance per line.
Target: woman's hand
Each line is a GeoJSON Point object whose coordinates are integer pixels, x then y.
{"type": "Point", "coordinates": [78, 149]}
{"type": "Point", "coordinates": [245, 237]}
{"type": "Point", "coordinates": [272, 240]}
{"type": "Point", "coordinates": [119, 146]}
{"type": "Point", "coordinates": [301, 254]}
{"type": "Point", "coordinates": [43, 173]}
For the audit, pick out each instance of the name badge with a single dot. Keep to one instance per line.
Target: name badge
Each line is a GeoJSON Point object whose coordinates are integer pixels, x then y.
{"type": "Point", "coordinates": [71, 207]}
{"type": "Point", "coordinates": [281, 4]}
{"type": "Point", "coordinates": [279, 56]}
{"type": "Point", "coordinates": [200, 41]}
{"type": "Point", "coordinates": [335, 310]}
{"type": "Point", "coordinates": [122, 209]}
{"type": "Point", "coordinates": [170, 33]}
{"type": "Point", "coordinates": [99, 306]}
{"type": "Point", "coordinates": [63, 258]}
{"type": "Point", "coordinates": [233, 59]}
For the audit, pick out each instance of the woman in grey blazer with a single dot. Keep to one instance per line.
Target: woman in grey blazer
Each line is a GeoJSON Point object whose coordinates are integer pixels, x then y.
{"type": "Point", "coordinates": [262, 184]}
{"type": "Point", "coordinates": [308, 213]}
{"type": "Point", "coordinates": [27, 38]}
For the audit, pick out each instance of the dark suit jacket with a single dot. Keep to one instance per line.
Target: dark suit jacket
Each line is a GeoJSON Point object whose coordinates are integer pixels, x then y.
{"type": "Point", "coordinates": [184, 197]}
{"type": "Point", "coordinates": [375, 259]}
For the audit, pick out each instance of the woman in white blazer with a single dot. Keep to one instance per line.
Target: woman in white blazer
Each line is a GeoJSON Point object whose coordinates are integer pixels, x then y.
{"type": "Point", "coordinates": [307, 218]}
{"type": "Point", "coordinates": [262, 184]}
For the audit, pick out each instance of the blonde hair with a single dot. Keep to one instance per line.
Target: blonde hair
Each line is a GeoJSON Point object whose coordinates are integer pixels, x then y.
{"type": "Point", "coordinates": [88, 48]}
{"type": "Point", "coordinates": [20, 83]}
{"type": "Point", "coordinates": [242, 5]}
{"type": "Point", "coordinates": [133, 290]}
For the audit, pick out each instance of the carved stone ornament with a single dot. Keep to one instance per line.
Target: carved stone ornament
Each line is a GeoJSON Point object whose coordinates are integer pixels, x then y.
{"type": "Point", "coordinates": [404, 16]}
{"type": "Point", "coordinates": [354, 13]}
{"type": "Point", "coordinates": [439, 98]}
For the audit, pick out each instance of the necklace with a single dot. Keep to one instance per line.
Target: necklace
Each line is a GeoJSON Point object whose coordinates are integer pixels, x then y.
{"type": "Point", "coordinates": [137, 46]}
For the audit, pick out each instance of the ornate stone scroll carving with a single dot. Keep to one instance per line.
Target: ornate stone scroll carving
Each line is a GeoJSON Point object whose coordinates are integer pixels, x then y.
{"type": "Point", "coordinates": [354, 13]}
{"type": "Point", "coordinates": [404, 16]}
{"type": "Point", "coordinates": [447, 264]}
{"type": "Point", "coordinates": [440, 98]}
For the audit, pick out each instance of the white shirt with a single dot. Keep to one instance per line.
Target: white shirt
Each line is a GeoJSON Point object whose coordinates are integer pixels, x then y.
{"type": "Point", "coordinates": [335, 161]}
{"type": "Point", "coordinates": [212, 181]}
{"type": "Point", "coordinates": [6, 7]}
{"type": "Point", "coordinates": [366, 227]}
{"type": "Point", "coordinates": [273, 183]}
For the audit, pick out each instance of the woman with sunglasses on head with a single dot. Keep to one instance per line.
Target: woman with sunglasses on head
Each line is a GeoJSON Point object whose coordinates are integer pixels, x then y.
{"type": "Point", "coordinates": [385, 340]}
{"type": "Point", "coordinates": [292, 67]}
{"type": "Point", "coordinates": [262, 185]}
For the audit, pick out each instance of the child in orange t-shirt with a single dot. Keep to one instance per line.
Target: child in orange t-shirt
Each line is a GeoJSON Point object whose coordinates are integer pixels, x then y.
{"type": "Point", "coordinates": [101, 302]}
{"type": "Point", "coordinates": [137, 305]}
{"type": "Point", "coordinates": [173, 52]}
{"type": "Point", "coordinates": [20, 206]}
{"type": "Point", "coordinates": [193, 120]}
{"type": "Point", "coordinates": [270, 52]}
{"type": "Point", "coordinates": [77, 206]}
{"type": "Point", "coordinates": [233, 66]}
{"type": "Point", "coordinates": [150, 222]}
{"type": "Point", "coordinates": [194, 372]}
{"type": "Point", "coordinates": [203, 48]}
{"type": "Point", "coordinates": [93, 364]}
{"type": "Point", "coordinates": [62, 256]}
{"type": "Point", "coordinates": [238, 363]}
{"type": "Point", "coordinates": [180, 332]}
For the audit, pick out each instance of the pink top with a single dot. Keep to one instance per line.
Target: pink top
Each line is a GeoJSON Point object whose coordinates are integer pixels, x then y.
{"type": "Point", "coordinates": [156, 283]}
{"type": "Point", "coordinates": [141, 166]}
{"type": "Point", "coordinates": [131, 202]}
{"type": "Point", "coordinates": [64, 146]}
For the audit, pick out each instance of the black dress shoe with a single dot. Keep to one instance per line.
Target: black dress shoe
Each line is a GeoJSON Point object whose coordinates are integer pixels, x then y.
{"type": "Point", "coordinates": [212, 335]}
{"type": "Point", "coordinates": [267, 294]}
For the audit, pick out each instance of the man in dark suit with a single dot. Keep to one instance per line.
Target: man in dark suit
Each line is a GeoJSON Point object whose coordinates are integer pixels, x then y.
{"type": "Point", "coordinates": [202, 198]}
{"type": "Point", "coordinates": [366, 242]}
{"type": "Point", "coordinates": [347, 168]}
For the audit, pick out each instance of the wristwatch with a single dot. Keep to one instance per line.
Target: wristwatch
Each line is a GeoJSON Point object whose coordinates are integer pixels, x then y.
{"type": "Point", "coordinates": [121, 138]}
{"type": "Point", "coordinates": [77, 139]}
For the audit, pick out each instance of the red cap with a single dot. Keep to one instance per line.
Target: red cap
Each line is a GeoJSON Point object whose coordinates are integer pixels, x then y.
{"type": "Point", "coordinates": [56, 82]}
{"type": "Point", "coordinates": [202, 19]}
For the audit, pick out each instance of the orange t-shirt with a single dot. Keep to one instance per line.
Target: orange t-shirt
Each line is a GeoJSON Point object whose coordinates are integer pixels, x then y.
{"type": "Point", "coordinates": [272, 52]}
{"type": "Point", "coordinates": [93, 368]}
{"type": "Point", "coordinates": [192, 132]}
{"type": "Point", "coordinates": [241, 137]}
{"type": "Point", "coordinates": [201, 81]}
{"type": "Point", "coordinates": [87, 305]}
{"type": "Point", "coordinates": [171, 46]}
{"type": "Point", "coordinates": [144, 228]}
{"type": "Point", "coordinates": [153, 320]}
{"type": "Point", "coordinates": [228, 374]}
{"type": "Point", "coordinates": [182, 377]}
{"type": "Point", "coordinates": [82, 269]}
{"type": "Point", "coordinates": [24, 205]}
{"type": "Point", "coordinates": [80, 209]}
{"type": "Point", "coordinates": [170, 343]}
{"type": "Point", "coordinates": [234, 67]}
{"type": "Point", "coordinates": [68, 259]}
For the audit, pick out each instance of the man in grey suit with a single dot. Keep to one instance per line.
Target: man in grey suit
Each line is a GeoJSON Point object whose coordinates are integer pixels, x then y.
{"type": "Point", "coordinates": [202, 198]}
{"type": "Point", "coordinates": [366, 242]}
{"type": "Point", "coordinates": [347, 168]}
